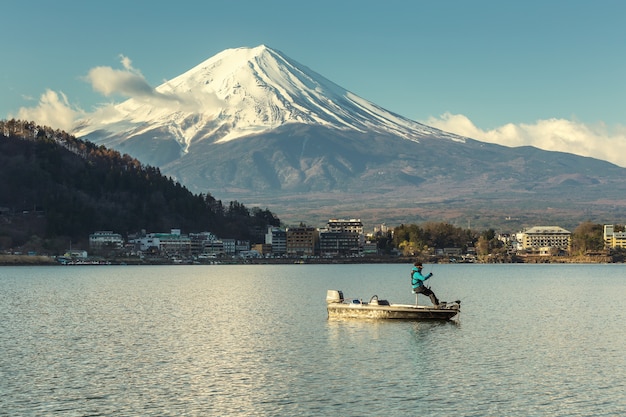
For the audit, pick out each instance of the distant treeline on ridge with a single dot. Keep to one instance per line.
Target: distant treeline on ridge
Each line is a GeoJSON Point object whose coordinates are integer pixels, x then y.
{"type": "Point", "coordinates": [55, 187]}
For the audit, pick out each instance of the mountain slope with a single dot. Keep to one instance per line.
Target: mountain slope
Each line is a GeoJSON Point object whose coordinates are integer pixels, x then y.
{"type": "Point", "coordinates": [253, 125]}
{"type": "Point", "coordinates": [54, 187]}
{"type": "Point", "coordinates": [239, 93]}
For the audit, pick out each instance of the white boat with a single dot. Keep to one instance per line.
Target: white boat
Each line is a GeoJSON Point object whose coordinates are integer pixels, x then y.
{"type": "Point", "coordinates": [338, 308]}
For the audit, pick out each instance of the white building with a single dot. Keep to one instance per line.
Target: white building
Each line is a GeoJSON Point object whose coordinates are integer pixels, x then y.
{"type": "Point", "coordinates": [613, 239]}
{"type": "Point", "coordinates": [105, 239]}
{"type": "Point", "coordinates": [167, 243]}
{"type": "Point", "coordinates": [544, 237]}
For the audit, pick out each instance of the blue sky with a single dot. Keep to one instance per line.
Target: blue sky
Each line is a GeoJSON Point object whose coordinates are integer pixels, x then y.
{"type": "Point", "coordinates": [547, 73]}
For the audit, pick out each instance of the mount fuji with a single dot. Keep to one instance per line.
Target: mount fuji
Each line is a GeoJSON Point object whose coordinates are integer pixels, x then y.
{"type": "Point", "coordinates": [251, 124]}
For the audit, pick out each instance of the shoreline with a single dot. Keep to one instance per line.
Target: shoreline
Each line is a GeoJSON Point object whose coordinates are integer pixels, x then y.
{"type": "Point", "coordinates": [41, 260]}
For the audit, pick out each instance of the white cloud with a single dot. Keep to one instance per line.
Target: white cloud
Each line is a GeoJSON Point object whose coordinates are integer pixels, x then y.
{"type": "Point", "coordinates": [53, 110]}
{"type": "Point", "coordinates": [130, 83]}
{"type": "Point", "coordinates": [569, 136]}
{"type": "Point", "coordinates": [598, 141]}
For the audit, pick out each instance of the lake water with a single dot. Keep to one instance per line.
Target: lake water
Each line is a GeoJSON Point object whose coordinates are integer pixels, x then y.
{"type": "Point", "coordinates": [532, 340]}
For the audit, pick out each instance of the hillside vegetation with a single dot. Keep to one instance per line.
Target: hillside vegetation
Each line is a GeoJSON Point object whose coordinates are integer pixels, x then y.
{"type": "Point", "coordinates": [56, 189]}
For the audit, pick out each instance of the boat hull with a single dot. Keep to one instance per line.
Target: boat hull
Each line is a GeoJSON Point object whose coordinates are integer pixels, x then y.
{"type": "Point", "coordinates": [393, 311]}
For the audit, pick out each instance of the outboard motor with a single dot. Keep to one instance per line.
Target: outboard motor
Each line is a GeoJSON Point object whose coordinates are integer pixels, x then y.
{"type": "Point", "coordinates": [334, 296]}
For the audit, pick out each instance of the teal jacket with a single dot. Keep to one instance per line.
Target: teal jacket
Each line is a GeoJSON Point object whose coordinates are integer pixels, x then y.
{"type": "Point", "coordinates": [417, 279]}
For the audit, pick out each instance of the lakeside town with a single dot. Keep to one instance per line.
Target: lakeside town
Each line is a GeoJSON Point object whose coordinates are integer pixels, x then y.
{"type": "Point", "coordinates": [88, 203]}
{"type": "Point", "coordinates": [340, 241]}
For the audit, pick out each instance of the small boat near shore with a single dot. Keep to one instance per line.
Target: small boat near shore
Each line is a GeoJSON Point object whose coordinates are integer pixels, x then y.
{"type": "Point", "coordinates": [339, 308]}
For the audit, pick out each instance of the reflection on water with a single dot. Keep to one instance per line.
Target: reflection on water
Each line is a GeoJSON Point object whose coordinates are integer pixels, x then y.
{"type": "Point", "coordinates": [255, 340]}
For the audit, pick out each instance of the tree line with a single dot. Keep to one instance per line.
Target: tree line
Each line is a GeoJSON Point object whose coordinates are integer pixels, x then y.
{"type": "Point", "coordinates": [55, 187]}
{"type": "Point", "coordinates": [413, 239]}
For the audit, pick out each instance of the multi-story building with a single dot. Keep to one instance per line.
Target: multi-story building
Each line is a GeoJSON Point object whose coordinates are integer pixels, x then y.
{"type": "Point", "coordinates": [264, 249]}
{"type": "Point", "coordinates": [242, 246]}
{"type": "Point", "coordinates": [173, 243]}
{"type": "Point", "coordinates": [229, 246]}
{"type": "Point", "coordinates": [342, 225]}
{"type": "Point", "coordinates": [302, 241]}
{"type": "Point", "coordinates": [339, 243]}
{"type": "Point", "coordinates": [214, 248]}
{"type": "Point", "coordinates": [278, 239]}
{"type": "Point", "coordinates": [613, 239]}
{"type": "Point", "coordinates": [105, 240]}
{"type": "Point", "coordinates": [370, 248]}
{"type": "Point", "coordinates": [199, 242]}
{"type": "Point", "coordinates": [233, 246]}
{"type": "Point", "coordinates": [539, 237]}
{"type": "Point", "coordinates": [345, 231]}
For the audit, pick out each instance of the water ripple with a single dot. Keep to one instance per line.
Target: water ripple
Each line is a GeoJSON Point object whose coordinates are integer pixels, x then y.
{"type": "Point", "coordinates": [254, 340]}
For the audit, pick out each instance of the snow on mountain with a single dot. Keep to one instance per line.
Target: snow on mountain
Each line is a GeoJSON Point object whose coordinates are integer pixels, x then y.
{"type": "Point", "coordinates": [252, 124]}
{"type": "Point", "coordinates": [240, 92]}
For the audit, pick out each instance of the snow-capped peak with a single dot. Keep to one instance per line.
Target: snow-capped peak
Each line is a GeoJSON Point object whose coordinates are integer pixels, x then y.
{"type": "Point", "coordinates": [246, 91]}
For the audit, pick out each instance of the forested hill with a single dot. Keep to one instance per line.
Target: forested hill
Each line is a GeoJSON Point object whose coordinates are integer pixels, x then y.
{"type": "Point", "coordinates": [55, 187]}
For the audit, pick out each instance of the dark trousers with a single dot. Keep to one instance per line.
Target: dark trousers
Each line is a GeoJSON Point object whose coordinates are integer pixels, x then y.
{"type": "Point", "coordinates": [427, 292]}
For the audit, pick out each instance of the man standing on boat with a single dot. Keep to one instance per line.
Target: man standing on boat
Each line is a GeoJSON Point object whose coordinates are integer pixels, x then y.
{"type": "Point", "coordinates": [417, 280]}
